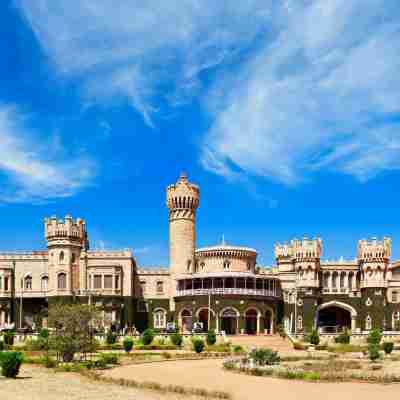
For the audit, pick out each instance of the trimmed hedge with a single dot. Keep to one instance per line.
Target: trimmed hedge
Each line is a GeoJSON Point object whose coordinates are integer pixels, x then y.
{"type": "Point", "coordinates": [128, 344]}
{"type": "Point", "coordinates": [198, 345]}
{"type": "Point", "coordinates": [148, 336]}
{"type": "Point", "coordinates": [176, 339]}
{"type": "Point", "coordinates": [10, 362]}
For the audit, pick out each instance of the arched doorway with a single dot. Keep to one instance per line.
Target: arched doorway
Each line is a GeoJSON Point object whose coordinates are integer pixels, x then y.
{"type": "Point", "coordinates": [334, 317]}
{"type": "Point", "coordinates": [251, 316]}
{"type": "Point", "coordinates": [187, 322]}
{"type": "Point", "coordinates": [268, 322]}
{"type": "Point", "coordinates": [203, 318]}
{"type": "Point", "coordinates": [229, 321]}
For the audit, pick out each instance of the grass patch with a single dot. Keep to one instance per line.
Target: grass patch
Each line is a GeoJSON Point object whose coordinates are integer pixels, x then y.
{"type": "Point", "coordinates": [155, 386]}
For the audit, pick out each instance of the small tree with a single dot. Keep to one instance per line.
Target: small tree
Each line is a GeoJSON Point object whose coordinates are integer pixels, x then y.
{"type": "Point", "coordinates": [211, 337]}
{"type": "Point", "coordinates": [73, 325]}
{"type": "Point", "coordinates": [374, 337]}
{"type": "Point", "coordinates": [128, 344]}
{"type": "Point", "coordinates": [343, 338]}
{"type": "Point", "coordinates": [314, 337]}
{"type": "Point", "coordinates": [373, 350]}
{"type": "Point", "coordinates": [147, 336]}
{"type": "Point", "coordinates": [9, 338]}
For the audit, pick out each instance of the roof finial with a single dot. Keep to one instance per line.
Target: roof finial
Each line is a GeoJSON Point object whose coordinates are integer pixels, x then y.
{"type": "Point", "coordinates": [223, 240]}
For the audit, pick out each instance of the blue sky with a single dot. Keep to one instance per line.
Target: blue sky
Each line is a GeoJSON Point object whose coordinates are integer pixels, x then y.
{"type": "Point", "coordinates": [286, 113]}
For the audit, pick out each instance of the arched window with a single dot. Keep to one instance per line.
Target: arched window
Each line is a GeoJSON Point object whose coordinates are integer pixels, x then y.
{"type": "Point", "coordinates": [44, 283]}
{"type": "Point", "coordinates": [73, 258]}
{"type": "Point", "coordinates": [159, 319]}
{"type": "Point", "coordinates": [368, 323]}
{"type": "Point", "coordinates": [202, 266]}
{"type": "Point", "coordinates": [227, 265]}
{"type": "Point", "coordinates": [62, 280]}
{"type": "Point", "coordinates": [248, 266]}
{"type": "Point", "coordinates": [189, 264]}
{"type": "Point", "coordinates": [61, 257]}
{"type": "Point", "coordinates": [396, 321]}
{"type": "Point", "coordinates": [143, 286]}
{"type": "Point", "coordinates": [300, 322]}
{"type": "Point", "coordinates": [28, 283]}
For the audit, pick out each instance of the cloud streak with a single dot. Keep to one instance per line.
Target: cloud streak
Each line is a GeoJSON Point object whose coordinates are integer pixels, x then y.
{"type": "Point", "coordinates": [37, 170]}
{"type": "Point", "coordinates": [323, 93]}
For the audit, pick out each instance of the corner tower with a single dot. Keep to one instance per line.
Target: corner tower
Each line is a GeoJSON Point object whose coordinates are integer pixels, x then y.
{"type": "Point", "coordinates": [182, 201]}
{"type": "Point", "coordinates": [66, 241]}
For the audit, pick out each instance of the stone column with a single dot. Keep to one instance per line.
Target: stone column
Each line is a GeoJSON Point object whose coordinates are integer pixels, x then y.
{"type": "Point", "coordinates": [258, 324]}
{"type": "Point", "coordinates": [330, 281]}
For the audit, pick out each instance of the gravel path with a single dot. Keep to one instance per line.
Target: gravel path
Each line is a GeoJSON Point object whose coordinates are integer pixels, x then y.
{"type": "Point", "coordinates": [209, 374]}
{"type": "Point", "coordinates": [37, 383]}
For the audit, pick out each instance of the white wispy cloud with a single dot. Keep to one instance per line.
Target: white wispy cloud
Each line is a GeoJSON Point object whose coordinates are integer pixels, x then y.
{"type": "Point", "coordinates": [297, 85]}
{"type": "Point", "coordinates": [321, 94]}
{"type": "Point", "coordinates": [137, 50]}
{"type": "Point", "coordinates": [33, 169]}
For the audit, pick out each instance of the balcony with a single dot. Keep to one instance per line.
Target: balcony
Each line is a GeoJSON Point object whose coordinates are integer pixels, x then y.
{"type": "Point", "coordinates": [226, 291]}
{"type": "Point", "coordinates": [99, 292]}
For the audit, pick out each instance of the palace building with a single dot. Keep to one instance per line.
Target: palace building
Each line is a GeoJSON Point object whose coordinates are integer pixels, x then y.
{"type": "Point", "coordinates": [221, 287]}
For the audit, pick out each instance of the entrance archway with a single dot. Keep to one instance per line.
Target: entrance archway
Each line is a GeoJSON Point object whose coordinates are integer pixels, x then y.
{"type": "Point", "coordinates": [230, 321]}
{"type": "Point", "coordinates": [251, 317]}
{"type": "Point", "coordinates": [334, 317]}
{"type": "Point", "coordinates": [186, 321]}
{"type": "Point", "coordinates": [203, 318]}
{"type": "Point", "coordinates": [268, 322]}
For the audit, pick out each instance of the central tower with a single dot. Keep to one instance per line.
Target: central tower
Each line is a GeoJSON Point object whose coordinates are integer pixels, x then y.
{"type": "Point", "coordinates": [182, 202]}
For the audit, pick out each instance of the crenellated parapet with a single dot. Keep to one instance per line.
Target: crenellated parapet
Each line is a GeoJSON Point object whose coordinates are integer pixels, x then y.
{"type": "Point", "coordinates": [374, 257]}
{"type": "Point", "coordinates": [65, 232]}
{"type": "Point", "coordinates": [302, 257]}
{"type": "Point", "coordinates": [182, 199]}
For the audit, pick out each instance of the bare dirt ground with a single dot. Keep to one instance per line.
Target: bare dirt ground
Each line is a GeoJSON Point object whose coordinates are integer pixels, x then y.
{"type": "Point", "coordinates": [209, 374]}
{"type": "Point", "coordinates": [274, 342]}
{"type": "Point", "coordinates": [38, 383]}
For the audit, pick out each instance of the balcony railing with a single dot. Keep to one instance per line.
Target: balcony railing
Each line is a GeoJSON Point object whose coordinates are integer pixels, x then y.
{"type": "Point", "coordinates": [224, 291]}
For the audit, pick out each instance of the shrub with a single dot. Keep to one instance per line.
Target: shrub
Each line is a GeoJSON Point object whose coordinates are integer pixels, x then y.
{"type": "Point", "coordinates": [343, 338]}
{"type": "Point", "coordinates": [198, 345]}
{"type": "Point", "coordinates": [373, 350]}
{"type": "Point", "coordinates": [44, 333]}
{"type": "Point", "coordinates": [314, 337]}
{"type": "Point", "coordinates": [9, 338]}
{"type": "Point", "coordinates": [128, 344]}
{"type": "Point", "coordinates": [265, 357]}
{"type": "Point", "coordinates": [109, 358]}
{"type": "Point", "coordinates": [147, 336]}
{"type": "Point", "coordinates": [176, 339]}
{"type": "Point", "coordinates": [48, 362]}
{"type": "Point", "coordinates": [10, 363]}
{"type": "Point", "coordinates": [111, 337]}
{"type": "Point", "coordinates": [238, 349]}
{"type": "Point", "coordinates": [374, 336]}
{"type": "Point", "coordinates": [388, 347]}
{"type": "Point", "coordinates": [211, 337]}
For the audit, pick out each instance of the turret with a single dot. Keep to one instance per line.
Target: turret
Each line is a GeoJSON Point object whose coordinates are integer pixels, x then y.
{"type": "Point", "coordinates": [373, 257]}
{"type": "Point", "coordinates": [66, 240]}
{"type": "Point", "coordinates": [301, 256]}
{"type": "Point", "coordinates": [182, 203]}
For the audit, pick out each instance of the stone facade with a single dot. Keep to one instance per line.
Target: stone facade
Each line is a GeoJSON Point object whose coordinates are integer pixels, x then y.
{"type": "Point", "coordinates": [219, 287]}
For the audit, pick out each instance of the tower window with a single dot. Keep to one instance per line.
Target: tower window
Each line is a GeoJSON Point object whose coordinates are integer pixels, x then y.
{"type": "Point", "coordinates": [97, 282]}
{"type": "Point", "coordinates": [28, 283]}
{"type": "Point", "coordinates": [394, 297]}
{"type": "Point", "coordinates": [73, 258]}
{"type": "Point", "coordinates": [61, 257]}
{"type": "Point", "coordinates": [107, 281]}
{"type": "Point", "coordinates": [189, 264]}
{"type": "Point", "coordinates": [143, 286]}
{"type": "Point", "coordinates": [160, 287]}
{"type": "Point", "coordinates": [62, 280]}
{"type": "Point", "coordinates": [44, 283]}
{"type": "Point", "coordinates": [227, 265]}
{"type": "Point", "coordinates": [202, 266]}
